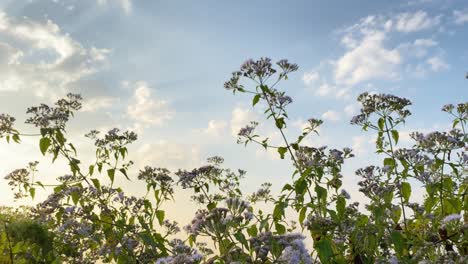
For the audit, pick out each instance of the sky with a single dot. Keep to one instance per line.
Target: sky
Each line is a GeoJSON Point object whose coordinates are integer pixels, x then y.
{"type": "Point", "coordinates": [158, 68]}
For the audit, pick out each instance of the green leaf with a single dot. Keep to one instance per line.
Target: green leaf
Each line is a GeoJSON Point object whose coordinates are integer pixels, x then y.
{"type": "Point", "coordinates": [302, 214]}
{"type": "Point", "coordinates": [389, 162]}
{"type": "Point", "coordinates": [395, 136]}
{"type": "Point", "coordinates": [325, 250]}
{"type": "Point", "coordinates": [256, 99]}
{"type": "Point", "coordinates": [96, 183]}
{"type": "Point", "coordinates": [398, 241]}
{"type": "Point", "coordinates": [123, 151]}
{"type": "Point", "coordinates": [60, 137]}
{"type": "Point", "coordinates": [75, 197]}
{"type": "Point", "coordinates": [280, 229]}
{"type": "Point", "coordinates": [91, 170]}
{"type": "Point", "coordinates": [282, 151]}
{"type": "Point", "coordinates": [321, 193]}
{"type": "Point", "coordinates": [381, 123]}
{"type": "Point", "coordinates": [124, 172]}
{"type": "Point", "coordinates": [241, 238]}
{"type": "Point", "coordinates": [280, 123]}
{"type": "Point", "coordinates": [405, 191]}
{"type": "Point", "coordinates": [44, 144]}
{"type": "Point", "coordinates": [252, 231]}
{"type": "Point", "coordinates": [340, 206]}
{"type": "Point", "coordinates": [16, 138]}
{"type": "Point", "coordinates": [32, 192]}
{"type": "Point", "coordinates": [278, 212]}
{"type": "Point", "coordinates": [160, 215]}
{"type": "Point", "coordinates": [111, 174]}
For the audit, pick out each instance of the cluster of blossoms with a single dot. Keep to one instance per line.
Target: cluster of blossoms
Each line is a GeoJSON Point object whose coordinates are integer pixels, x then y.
{"type": "Point", "coordinates": [371, 185]}
{"type": "Point", "coordinates": [113, 138]}
{"type": "Point", "coordinates": [262, 194]}
{"type": "Point", "coordinates": [384, 104]}
{"type": "Point", "coordinates": [157, 178]}
{"type": "Point", "coordinates": [292, 247]}
{"type": "Point", "coordinates": [440, 141]}
{"type": "Point", "coordinates": [213, 222]}
{"type": "Point", "coordinates": [317, 157]}
{"type": "Point", "coordinates": [247, 130]}
{"type": "Point", "coordinates": [17, 179]}
{"type": "Point", "coordinates": [187, 179]}
{"type": "Point", "coordinates": [181, 254]}
{"type": "Point", "coordinates": [6, 125]}
{"type": "Point", "coordinates": [45, 116]}
{"type": "Point", "coordinates": [259, 71]}
{"type": "Point", "coordinates": [461, 108]}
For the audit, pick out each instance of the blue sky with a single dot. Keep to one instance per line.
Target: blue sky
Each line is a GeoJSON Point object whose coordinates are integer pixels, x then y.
{"type": "Point", "coordinates": [158, 67]}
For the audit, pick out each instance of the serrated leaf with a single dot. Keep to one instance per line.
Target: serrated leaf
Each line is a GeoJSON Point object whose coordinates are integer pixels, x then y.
{"type": "Point", "coordinates": [32, 192]}
{"type": "Point", "coordinates": [124, 172]}
{"type": "Point", "coordinates": [395, 136]}
{"type": "Point", "coordinates": [381, 123]}
{"type": "Point", "coordinates": [282, 151]}
{"type": "Point", "coordinates": [96, 183]}
{"type": "Point", "coordinates": [325, 250]}
{"type": "Point", "coordinates": [111, 174]}
{"type": "Point", "coordinates": [44, 144]}
{"type": "Point", "coordinates": [256, 99]}
{"type": "Point", "coordinates": [405, 191]}
{"type": "Point", "coordinates": [160, 216]}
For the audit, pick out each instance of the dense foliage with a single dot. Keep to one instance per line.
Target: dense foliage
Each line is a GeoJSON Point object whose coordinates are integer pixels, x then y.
{"type": "Point", "coordinates": [88, 218]}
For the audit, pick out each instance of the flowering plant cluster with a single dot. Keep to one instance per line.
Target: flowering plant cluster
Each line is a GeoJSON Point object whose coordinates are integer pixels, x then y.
{"type": "Point", "coordinates": [88, 218]}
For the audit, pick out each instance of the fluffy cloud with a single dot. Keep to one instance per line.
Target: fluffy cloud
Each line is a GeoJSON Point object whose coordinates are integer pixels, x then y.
{"type": "Point", "coordinates": [240, 117]}
{"type": "Point", "coordinates": [331, 115]}
{"type": "Point", "coordinates": [310, 77]}
{"type": "Point", "coordinates": [371, 55]}
{"type": "Point", "coordinates": [39, 58]}
{"type": "Point", "coordinates": [351, 109]}
{"type": "Point", "coordinates": [215, 128]}
{"type": "Point", "coordinates": [368, 60]}
{"type": "Point", "coordinates": [437, 64]}
{"type": "Point", "coordinates": [125, 5]}
{"type": "Point", "coordinates": [460, 16]}
{"type": "Point", "coordinates": [97, 103]}
{"type": "Point", "coordinates": [173, 155]}
{"type": "Point", "coordinates": [412, 22]}
{"type": "Point", "coordinates": [146, 110]}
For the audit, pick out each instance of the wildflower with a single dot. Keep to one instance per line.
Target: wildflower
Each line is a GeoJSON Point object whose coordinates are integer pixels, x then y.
{"type": "Point", "coordinates": [247, 130]}
{"type": "Point", "coordinates": [448, 108]}
{"type": "Point", "coordinates": [451, 218]}
{"type": "Point", "coordinates": [6, 124]}
{"type": "Point", "coordinates": [345, 194]}
{"type": "Point", "coordinates": [295, 253]}
{"type": "Point", "coordinates": [284, 100]}
{"type": "Point", "coordinates": [45, 116]}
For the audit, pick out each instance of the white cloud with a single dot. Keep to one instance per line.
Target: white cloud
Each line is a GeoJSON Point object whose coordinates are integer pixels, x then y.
{"type": "Point", "coordinates": [125, 5]}
{"type": "Point", "coordinates": [310, 77]}
{"type": "Point", "coordinates": [437, 64]}
{"type": "Point", "coordinates": [41, 59]}
{"type": "Point", "coordinates": [331, 115]}
{"type": "Point", "coordinates": [368, 60]}
{"type": "Point", "coordinates": [361, 144]}
{"type": "Point", "coordinates": [146, 110]}
{"type": "Point", "coordinates": [460, 16]}
{"type": "Point", "coordinates": [173, 155]}
{"type": "Point", "coordinates": [412, 22]}
{"type": "Point", "coordinates": [215, 128]}
{"type": "Point", "coordinates": [240, 117]}
{"type": "Point", "coordinates": [351, 109]}
{"type": "Point", "coordinates": [325, 89]}
{"type": "Point", "coordinates": [97, 103]}
{"type": "Point", "coordinates": [418, 48]}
